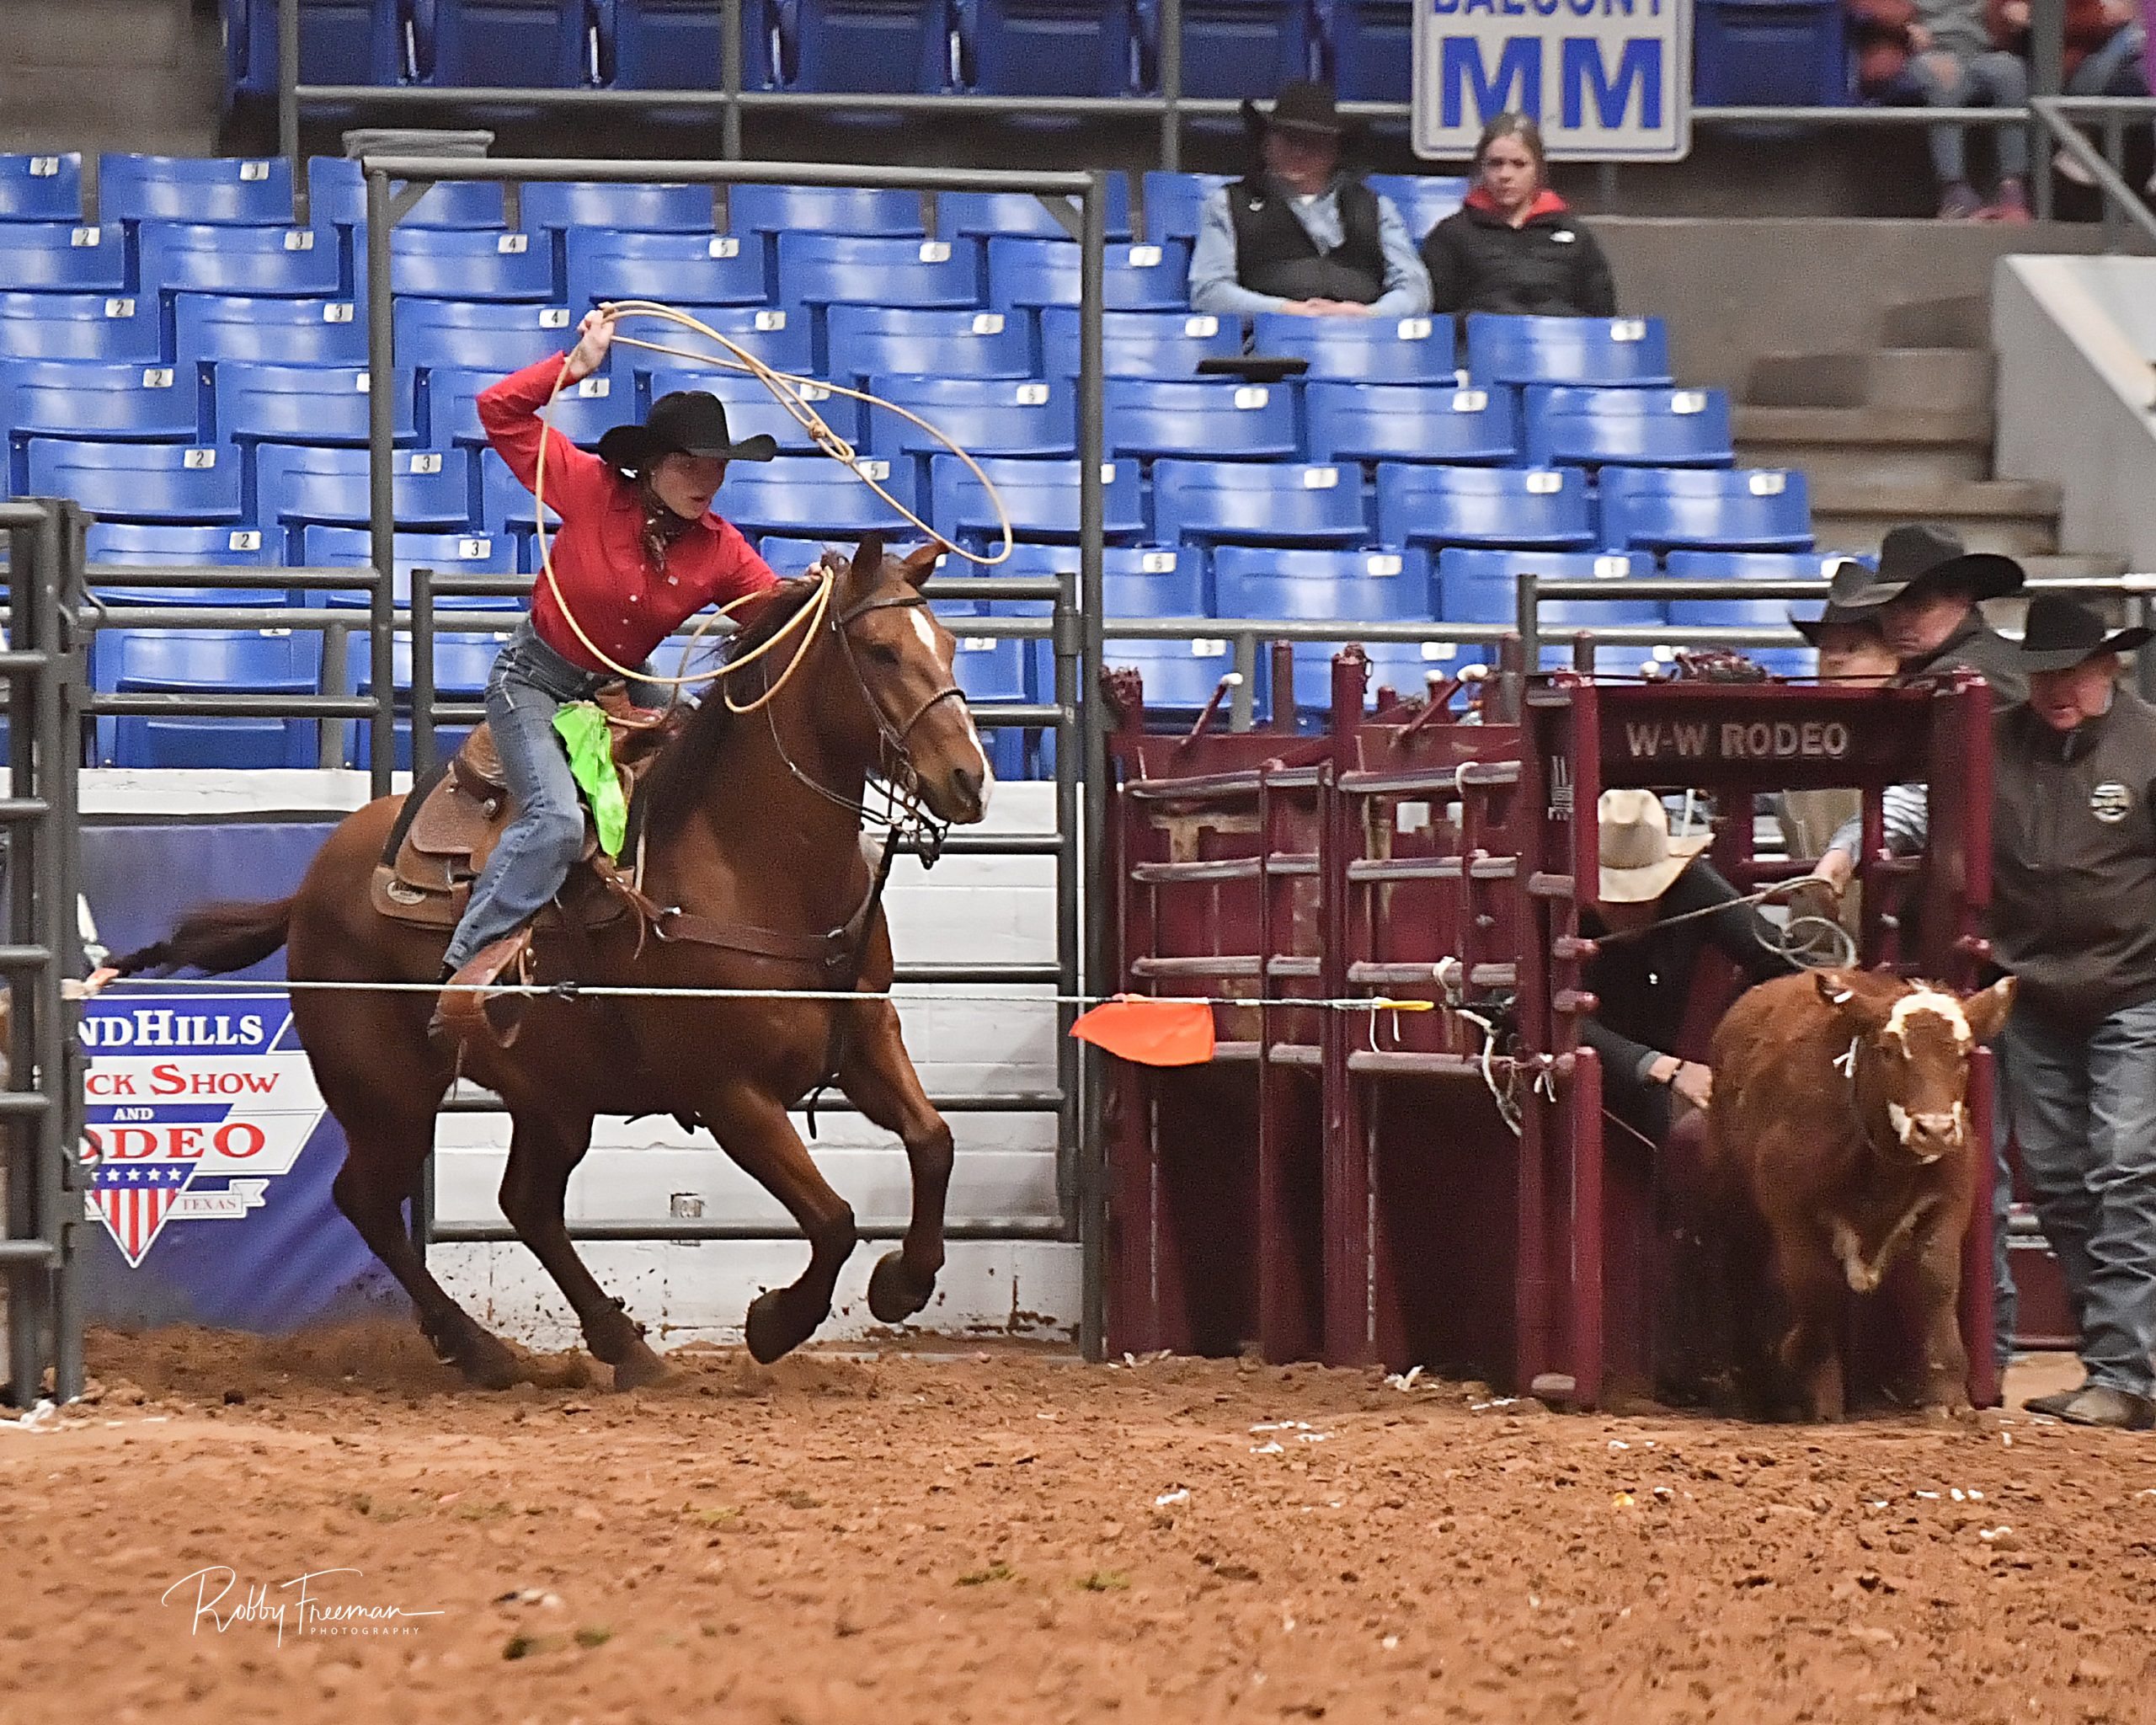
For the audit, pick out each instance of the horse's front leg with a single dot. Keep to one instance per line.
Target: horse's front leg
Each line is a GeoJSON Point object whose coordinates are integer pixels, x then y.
{"type": "Point", "coordinates": [877, 1077]}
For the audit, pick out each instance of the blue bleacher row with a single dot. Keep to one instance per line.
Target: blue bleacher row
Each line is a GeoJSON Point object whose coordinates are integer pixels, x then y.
{"type": "Point", "coordinates": [1792, 51]}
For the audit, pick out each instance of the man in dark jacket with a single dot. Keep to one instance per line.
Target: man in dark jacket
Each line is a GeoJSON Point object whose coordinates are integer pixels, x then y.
{"type": "Point", "coordinates": [1927, 589]}
{"type": "Point", "coordinates": [2073, 916]}
{"type": "Point", "coordinates": [1301, 234]}
{"type": "Point", "coordinates": [1515, 247]}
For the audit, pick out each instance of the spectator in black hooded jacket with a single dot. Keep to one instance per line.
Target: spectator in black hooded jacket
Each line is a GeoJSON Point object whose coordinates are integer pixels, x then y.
{"type": "Point", "coordinates": [1516, 246]}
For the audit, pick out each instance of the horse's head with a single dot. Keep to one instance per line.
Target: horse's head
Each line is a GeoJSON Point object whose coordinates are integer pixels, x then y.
{"type": "Point", "coordinates": [908, 705]}
{"type": "Point", "coordinates": [1908, 1062]}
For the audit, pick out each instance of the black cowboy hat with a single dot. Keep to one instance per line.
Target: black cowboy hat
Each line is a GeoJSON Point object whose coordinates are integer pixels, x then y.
{"type": "Point", "coordinates": [1924, 553]}
{"type": "Point", "coordinates": [2061, 633]}
{"type": "Point", "coordinates": [688, 422]}
{"type": "Point", "coordinates": [1303, 105]}
{"type": "Point", "coordinates": [1837, 617]}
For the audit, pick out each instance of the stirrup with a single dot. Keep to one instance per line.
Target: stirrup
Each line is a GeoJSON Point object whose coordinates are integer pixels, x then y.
{"type": "Point", "coordinates": [461, 1016]}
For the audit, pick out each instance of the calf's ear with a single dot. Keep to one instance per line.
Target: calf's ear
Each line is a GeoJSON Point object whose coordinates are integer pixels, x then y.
{"type": "Point", "coordinates": [1986, 1010]}
{"type": "Point", "coordinates": [1862, 1013]}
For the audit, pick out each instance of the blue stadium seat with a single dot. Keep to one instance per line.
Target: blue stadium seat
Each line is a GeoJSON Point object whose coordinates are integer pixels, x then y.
{"type": "Point", "coordinates": [688, 271]}
{"type": "Point", "coordinates": [581, 412]}
{"type": "Point", "coordinates": [1412, 422]}
{"type": "Point", "coordinates": [1139, 344]}
{"type": "Point", "coordinates": [1364, 350]}
{"type": "Point", "coordinates": [137, 546]}
{"type": "Point", "coordinates": [1179, 678]}
{"type": "Point", "coordinates": [1136, 580]}
{"type": "Point", "coordinates": [894, 45]}
{"type": "Point", "coordinates": [1373, 55]}
{"type": "Point", "coordinates": [1770, 53]}
{"type": "Point", "coordinates": [1481, 586]}
{"type": "Point", "coordinates": [299, 262]}
{"type": "Point", "coordinates": [1044, 272]}
{"type": "Point", "coordinates": [490, 264]}
{"type": "Point", "coordinates": [1047, 47]}
{"type": "Point", "coordinates": [515, 44]}
{"type": "Point", "coordinates": [752, 408]}
{"type": "Point", "coordinates": [341, 42]}
{"type": "Point", "coordinates": [859, 210]}
{"type": "Point", "coordinates": [783, 340]}
{"type": "Point", "coordinates": [447, 554]}
{"type": "Point", "coordinates": [41, 189]}
{"type": "Point", "coordinates": [211, 662]}
{"type": "Point", "coordinates": [814, 495]}
{"type": "Point", "coordinates": [1041, 496]}
{"type": "Point", "coordinates": [672, 44]}
{"type": "Point", "coordinates": [480, 338]}
{"type": "Point", "coordinates": [98, 401]}
{"type": "Point", "coordinates": [1249, 504]}
{"type": "Point", "coordinates": [505, 507]}
{"type": "Point", "coordinates": [1346, 586]}
{"type": "Point", "coordinates": [53, 257]}
{"type": "Point", "coordinates": [1754, 566]}
{"type": "Point", "coordinates": [256, 190]}
{"type": "Point", "coordinates": [1212, 417]}
{"type": "Point", "coordinates": [984, 215]}
{"type": "Point", "coordinates": [337, 197]}
{"type": "Point", "coordinates": [1709, 508]}
{"type": "Point", "coordinates": [985, 416]}
{"type": "Point", "coordinates": [604, 207]}
{"type": "Point", "coordinates": [1424, 200]}
{"type": "Point", "coordinates": [865, 341]}
{"type": "Point", "coordinates": [79, 326]}
{"type": "Point", "coordinates": [217, 326]}
{"type": "Point", "coordinates": [994, 670]}
{"type": "Point", "coordinates": [1794, 660]}
{"type": "Point", "coordinates": [1569, 426]}
{"type": "Point", "coordinates": [1608, 350]}
{"type": "Point", "coordinates": [299, 487]}
{"type": "Point", "coordinates": [1526, 507]}
{"type": "Point", "coordinates": [258, 404]}
{"type": "Point", "coordinates": [141, 481]}
{"type": "Point", "coordinates": [829, 268]}
{"type": "Point", "coordinates": [1173, 202]}
{"type": "Point", "coordinates": [462, 663]}
{"type": "Point", "coordinates": [1233, 47]}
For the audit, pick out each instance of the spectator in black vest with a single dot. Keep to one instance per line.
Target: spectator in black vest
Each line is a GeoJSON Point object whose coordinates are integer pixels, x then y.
{"type": "Point", "coordinates": [1515, 247]}
{"type": "Point", "coordinates": [1301, 233]}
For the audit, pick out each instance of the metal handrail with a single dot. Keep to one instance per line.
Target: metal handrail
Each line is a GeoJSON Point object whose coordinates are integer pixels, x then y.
{"type": "Point", "coordinates": [2056, 114]}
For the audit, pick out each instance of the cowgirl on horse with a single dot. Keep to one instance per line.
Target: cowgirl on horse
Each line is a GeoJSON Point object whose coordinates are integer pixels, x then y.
{"type": "Point", "coordinates": [637, 553]}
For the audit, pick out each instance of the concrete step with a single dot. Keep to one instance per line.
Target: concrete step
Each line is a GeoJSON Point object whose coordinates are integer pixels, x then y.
{"type": "Point", "coordinates": [2017, 516]}
{"type": "Point", "coordinates": [2065, 566]}
{"type": "Point", "coordinates": [1906, 446]}
{"type": "Point", "coordinates": [1962, 320]}
{"type": "Point", "coordinates": [1931, 380]}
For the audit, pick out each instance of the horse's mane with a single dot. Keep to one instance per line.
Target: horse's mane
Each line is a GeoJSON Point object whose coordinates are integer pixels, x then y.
{"type": "Point", "coordinates": [677, 780]}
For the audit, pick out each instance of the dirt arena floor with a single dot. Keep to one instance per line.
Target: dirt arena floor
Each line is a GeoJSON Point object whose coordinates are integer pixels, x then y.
{"type": "Point", "coordinates": [1010, 1536]}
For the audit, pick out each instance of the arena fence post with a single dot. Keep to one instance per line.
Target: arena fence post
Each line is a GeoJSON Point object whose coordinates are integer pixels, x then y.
{"type": "Point", "coordinates": [1098, 893]}
{"type": "Point", "coordinates": [1172, 85]}
{"type": "Point", "coordinates": [423, 673]}
{"type": "Point", "coordinates": [288, 103]}
{"type": "Point", "coordinates": [729, 78]}
{"type": "Point", "coordinates": [381, 484]}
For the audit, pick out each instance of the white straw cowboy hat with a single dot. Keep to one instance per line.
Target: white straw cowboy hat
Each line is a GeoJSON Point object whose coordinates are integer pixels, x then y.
{"type": "Point", "coordinates": [1640, 859]}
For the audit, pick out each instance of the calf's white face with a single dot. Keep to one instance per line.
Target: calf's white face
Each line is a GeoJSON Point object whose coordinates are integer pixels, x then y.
{"type": "Point", "coordinates": [1909, 1057]}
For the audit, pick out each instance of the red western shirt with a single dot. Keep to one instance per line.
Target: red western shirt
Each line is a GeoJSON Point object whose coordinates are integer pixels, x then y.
{"type": "Point", "coordinates": [625, 606]}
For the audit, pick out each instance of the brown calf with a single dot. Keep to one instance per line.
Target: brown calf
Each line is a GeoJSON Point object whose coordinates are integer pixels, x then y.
{"type": "Point", "coordinates": [1840, 1121]}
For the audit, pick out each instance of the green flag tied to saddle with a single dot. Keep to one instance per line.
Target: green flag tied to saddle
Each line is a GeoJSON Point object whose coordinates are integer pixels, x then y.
{"type": "Point", "coordinates": [583, 730]}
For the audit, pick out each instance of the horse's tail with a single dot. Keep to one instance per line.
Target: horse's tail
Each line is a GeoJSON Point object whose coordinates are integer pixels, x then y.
{"type": "Point", "coordinates": [215, 939]}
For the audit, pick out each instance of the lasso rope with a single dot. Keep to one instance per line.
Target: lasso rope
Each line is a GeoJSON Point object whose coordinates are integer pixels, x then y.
{"type": "Point", "coordinates": [785, 388]}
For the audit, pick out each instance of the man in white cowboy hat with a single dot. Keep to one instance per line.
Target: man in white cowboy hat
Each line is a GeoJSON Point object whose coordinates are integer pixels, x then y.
{"type": "Point", "coordinates": [1642, 975]}
{"type": "Point", "coordinates": [1300, 233]}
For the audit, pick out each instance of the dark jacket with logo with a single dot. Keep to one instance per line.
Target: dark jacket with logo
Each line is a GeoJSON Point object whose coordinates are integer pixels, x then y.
{"type": "Point", "coordinates": [1550, 266]}
{"type": "Point", "coordinates": [1275, 254]}
{"type": "Point", "coordinates": [1980, 647]}
{"type": "Point", "coordinates": [2074, 860]}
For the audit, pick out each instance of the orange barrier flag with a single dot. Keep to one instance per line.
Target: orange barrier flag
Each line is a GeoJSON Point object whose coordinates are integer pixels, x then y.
{"type": "Point", "coordinates": [1150, 1032]}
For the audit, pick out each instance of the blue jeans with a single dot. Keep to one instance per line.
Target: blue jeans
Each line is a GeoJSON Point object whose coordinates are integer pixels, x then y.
{"type": "Point", "coordinates": [530, 684]}
{"type": "Point", "coordinates": [1995, 80]}
{"type": "Point", "coordinates": [2005, 1297]}
{"type": "Point", "coordinates": [2085, 1115]}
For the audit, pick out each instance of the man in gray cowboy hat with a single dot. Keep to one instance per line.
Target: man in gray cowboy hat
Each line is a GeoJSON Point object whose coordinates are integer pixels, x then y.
{"type": "Point", "coordinates": [1300, 233]}
{"type": "Point", "coordinates": [1926, 590]}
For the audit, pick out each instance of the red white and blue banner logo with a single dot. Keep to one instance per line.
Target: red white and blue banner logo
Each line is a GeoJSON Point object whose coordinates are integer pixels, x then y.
{"type": "Point", "coordinates": [194, 1103]}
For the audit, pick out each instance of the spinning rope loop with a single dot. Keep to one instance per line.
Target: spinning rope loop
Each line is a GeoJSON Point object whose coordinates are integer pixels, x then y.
{"type": "Point", "coordinates": [786, 389]}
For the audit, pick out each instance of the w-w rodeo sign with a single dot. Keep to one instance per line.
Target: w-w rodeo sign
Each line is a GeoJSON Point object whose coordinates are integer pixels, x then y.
{"type": "Point", "coordinates": [1607, 80]}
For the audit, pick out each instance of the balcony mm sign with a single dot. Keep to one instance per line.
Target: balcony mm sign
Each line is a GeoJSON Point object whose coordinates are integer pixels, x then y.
{"type": "Point", "coordinates": [1607, 80]}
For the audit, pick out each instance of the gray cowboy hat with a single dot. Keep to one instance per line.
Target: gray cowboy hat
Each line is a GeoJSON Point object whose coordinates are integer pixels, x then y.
{"type": "Point", "coordinates": [688, 422]}
{"type": "Point", "coordinates": [1837, 617]}
{"type": "Point", "coordinates": [2061, 633]}
{"type": "Point", "coordinates": [1919, 552]}
{"type": "Point", "coordinates": [1303, 105]}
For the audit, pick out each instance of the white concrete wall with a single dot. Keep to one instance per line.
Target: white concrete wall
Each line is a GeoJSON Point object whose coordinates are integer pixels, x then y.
{"type": "Point", "coordinates": [2076, 339]}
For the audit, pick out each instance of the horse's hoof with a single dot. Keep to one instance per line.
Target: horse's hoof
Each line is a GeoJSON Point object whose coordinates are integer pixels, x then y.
{"type": "Point", "coordinates": [487, 1365]}
{"type": "Point", "coordinates": [643, 1369]}
{"type": "Point", "coordinates": [556, 1371]}
{"type": "Point", "coordinates": [772, 1331]}
{"type": "Point", "coordinates": [893, 1296]}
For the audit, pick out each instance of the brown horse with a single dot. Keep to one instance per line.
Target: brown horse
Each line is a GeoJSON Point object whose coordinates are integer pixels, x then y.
{"type": "Point", "coordinates": [750, 822]}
